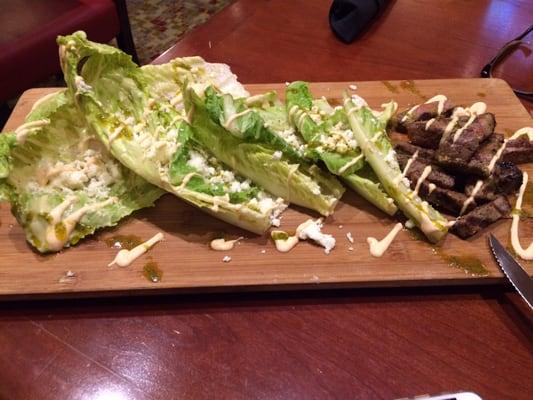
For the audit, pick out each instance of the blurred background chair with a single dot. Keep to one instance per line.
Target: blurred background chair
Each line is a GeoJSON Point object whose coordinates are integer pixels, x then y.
{"type": "Point", "coordinates": [28, 31]}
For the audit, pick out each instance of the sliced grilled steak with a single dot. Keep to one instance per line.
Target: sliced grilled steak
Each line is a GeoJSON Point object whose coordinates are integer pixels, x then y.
{"type": "Point", "coordinates": [479, 164]}
{"type": "Point", "coordinates": [519, 150]}
{"type": "Point", "coordinates": [470, 224]}
{"type": "Point", "coordinates": [423, 112]}
{"type": "Point", "coordinates": [436, 176]}
{"type": "Point", "coordinates": [410, 149]}
{"type": "Point", "coordinates": [428, 138]}
{"type": "Point", "coordinates": [505, 179]}
{"type": "Point", "coordinates": [455, 155]}
{"type": "Point", "coordinates": [444, 199]}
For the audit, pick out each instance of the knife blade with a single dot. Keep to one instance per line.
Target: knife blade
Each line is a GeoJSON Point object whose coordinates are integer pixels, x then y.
{"type": "Point", "coordinates": [520, 279]}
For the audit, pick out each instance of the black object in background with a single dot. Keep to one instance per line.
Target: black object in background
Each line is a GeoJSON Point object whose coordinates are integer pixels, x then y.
{"type": "Point", "coordinates": [348, 18]}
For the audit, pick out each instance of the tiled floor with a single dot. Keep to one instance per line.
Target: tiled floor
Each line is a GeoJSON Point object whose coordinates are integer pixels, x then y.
{"type": "Point", "coordinates": [157, 24]}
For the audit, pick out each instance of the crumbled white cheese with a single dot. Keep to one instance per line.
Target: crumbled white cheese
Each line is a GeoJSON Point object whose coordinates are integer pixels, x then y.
{"type": "Point", "coordinates": [312, 230]}
{"type": "Point", "coordinates": [390, 157]}
{"type": "Point", "coordinates": [263, 251]}
{"type": "Point", "coordinates": [409, 224]}
{"type": "Point", "coordinates": [349, 237]}
{"type": "Point", "coordinates": [198, 162]}
{"type": "Point", "coordinates": [81, 85]}
{"type": "Point", "coordinates": [226, 259]}
{"type": "Point", "coordinates": [290, 136]}
{"type": "Point", "coordinates": [353, 87]}
{"type": "Point", "coordinates": [276, 222]}
{"type": "Point", "coordinates": [93, 171]}
{"type": "Point", "coordinates": [350, 248]}
{"type": "Point", "coordinates": [237, 186]}
{"type": "Point", "coordinates": [358, 101]}
{"type": "Point", "coordinates": [277, 155]}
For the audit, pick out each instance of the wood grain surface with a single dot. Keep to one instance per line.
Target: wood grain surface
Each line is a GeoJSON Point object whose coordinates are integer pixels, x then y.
{"type": "Point", "coordinates": [380, 343]}
{"type": "Point", "coordinates": [187, 262]}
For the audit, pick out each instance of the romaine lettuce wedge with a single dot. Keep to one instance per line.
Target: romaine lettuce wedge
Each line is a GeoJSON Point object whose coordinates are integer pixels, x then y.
{"type": "Point", "coordinates": [328, 137]}
{"type": "Point", "coordinates": [61, 181]}
{"type": "Point", "coordinates": [236, 134]}
{"type": "Point", "coordinates": [369, 131]}
{"type": "Point", "coordinates": [138, 114]}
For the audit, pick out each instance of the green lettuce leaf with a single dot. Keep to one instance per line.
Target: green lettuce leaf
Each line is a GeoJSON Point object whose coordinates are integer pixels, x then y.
{"type": "Point", "coordinates": [366, 127]}
{"type": "Point", "coordinates": [328, 137]}
{"type": "Point", "coordinates": [61, 182]}
{"type": "Point", "coordinates": [236, 134]}
{"type": "Point", "coordinates": [138, 114]}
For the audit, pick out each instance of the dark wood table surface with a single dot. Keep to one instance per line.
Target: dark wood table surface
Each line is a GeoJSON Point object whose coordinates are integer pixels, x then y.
{"type": "Point", "coordinates": [345, 344]}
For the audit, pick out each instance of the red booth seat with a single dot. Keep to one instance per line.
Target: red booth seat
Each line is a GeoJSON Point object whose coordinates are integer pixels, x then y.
{"type": "Point", "coordinates": [28, 31]}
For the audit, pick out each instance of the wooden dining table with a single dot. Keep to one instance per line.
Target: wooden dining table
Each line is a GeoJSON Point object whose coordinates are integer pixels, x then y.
{"type": "Point", "coordinates": [381, 343]}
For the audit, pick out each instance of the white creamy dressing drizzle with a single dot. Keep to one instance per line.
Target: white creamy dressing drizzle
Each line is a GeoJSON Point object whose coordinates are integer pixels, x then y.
{"type": "Point", "coordinates": [450, 126]}
{"type": "Point", "coordinates": [186, 180]}
{"type": "Point", "coordinates": [409, 112]}
{"type": "Point", "coordinates": [41, 100]}
{"type": "Point", "coordinates": [292, 171]}
{"type": "Point", "coordinates": [431, 188]}
{"type": "Point", "coordinates": [115, 134]}
{"type": "Point", "coordinates": [522, 131]}
{"type": "Point", "coordinates": [527, 130]}
{"type": "Point", "coordinates": [22, 131]}
{"type": "Point", "coordinates": [227, 123]}
{"type": "Point", "coordinates": [301, 116]}
{"type": "Point", "coordinates": [297, 115]}
{"type": "Point", "coordinates": [125, 257]}
{"type": "Point", "coordinates": [451, 223]}
{"type": "Point", "coordinates": [56, 215]}
{"type": "Point", "coordinates": [474, 110]}
{"type": "Point", "coordinates": [293, 110]}
{"type": "Point", "coordinates": [429, 123]}
{"type": "Point", "coordinates": [472, 196]}
{"type": "Point", "coordinates": [354, 160]}
{"type": "Point", "coordinates": [406, 168]}
{"type": "Point", "coordinates": [440, 98]}
{"type": "Point", "coordinates": [497, 156]}
{"type": "Point", "coordinates": [526, 254]}
{"type": "Point", "coordinates": [224, 245]}
{"type": "Point", "coordinates": [422, 178]}
{"type": "Point", "coordinates": [285, 245]}
{"type": "Point", "coordinates": [376, 137]}
{"type": "Point", "coordinates": [378, 248]}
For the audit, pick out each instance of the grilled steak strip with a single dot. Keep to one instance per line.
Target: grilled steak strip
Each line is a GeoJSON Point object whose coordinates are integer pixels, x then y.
{"type": "Point", "coordinates": [455, 156]}
{"type": "Point", "coordinates": [423, 112]}
{"type": "Point", "coordinates": [505, 179]}
{"type": "Point", "coordinates": [519, 150]}
{"type": "Point", "coordinates": [436, 176]}
{"type": "Point", "coordinates": [479, 164]}
{"type": "Point", "coordinates": [428, 138]}
{"type": "Point", "coordinates": [470, 224]}
{"type": "Point", "coordinates": [445, 200]}
{"type": "Point", "coordinates": [410, 149]}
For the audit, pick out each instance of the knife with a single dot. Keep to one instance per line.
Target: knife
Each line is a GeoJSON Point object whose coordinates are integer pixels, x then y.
{"type": "Point", "coordinates": [514, 271]}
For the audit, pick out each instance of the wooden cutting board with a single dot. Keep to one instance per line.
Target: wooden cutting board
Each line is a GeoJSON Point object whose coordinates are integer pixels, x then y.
{"type": "Point", "coordinates": [188, 264]}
